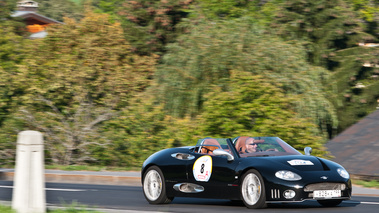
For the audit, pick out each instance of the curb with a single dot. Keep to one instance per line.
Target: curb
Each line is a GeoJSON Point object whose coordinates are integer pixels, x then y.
{"type": "Point", "coordinates": [84, 178]}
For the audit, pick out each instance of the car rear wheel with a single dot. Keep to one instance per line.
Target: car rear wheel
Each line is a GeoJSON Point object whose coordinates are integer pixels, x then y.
{"type": "Point", "coordinates": [154, 187]}
{"type": "Point", "coordinates": [329, 203]}
{"type": "Point", "coordinates": [253, 190]}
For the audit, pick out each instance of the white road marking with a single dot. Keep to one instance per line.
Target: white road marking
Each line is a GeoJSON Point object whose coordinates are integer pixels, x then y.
{"type": "Point", "coordinates": [358, 202]}
{"type": "Point", "coordinates": [66, 190]}
{"type": "Point", "coordinates": [371, 203]}
{"type": "Point", "coordinates": [54, 189]}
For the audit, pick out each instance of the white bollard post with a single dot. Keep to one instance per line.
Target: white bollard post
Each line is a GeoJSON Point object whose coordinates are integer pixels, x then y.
{"type": "Point", "coordinates": [29, 179]}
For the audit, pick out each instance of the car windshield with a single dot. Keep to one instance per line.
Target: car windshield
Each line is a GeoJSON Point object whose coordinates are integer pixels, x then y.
{"type": "Point", "coordinates": [263, 146]}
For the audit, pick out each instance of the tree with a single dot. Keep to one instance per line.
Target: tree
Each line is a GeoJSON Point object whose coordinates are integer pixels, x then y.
{"type": "Point", "coordinates": [58, 9]}
{"type": "Point", "coordinates": [9, 130]}
{"type": "Point", "coordinates": [255, 105]}
{"type": "Point", "coordinates": [225, 8]}
{"type": "Point", "coordinates": [141, 129]}
{"type": "Point", "coordinates": [323, 26]}
{"type": "Point", "coordinates": [354, 84]}
{"type": "Point", "coordinates": [206, 56]}
{"type": "Point", "coordinates": [12, 53]}
{"type": "Point", "coordinates": [108, 6]}
{"type": "Point", "coordinates": [368, 10]}
{"type": "Point", "coordinates": [261, 11]}
{"type": "Point", "coordinates": [81, 75]}
{"type": "Point", "coordinates": [5, 8]}
{"type": "Point", "coordinates": [150, 25]}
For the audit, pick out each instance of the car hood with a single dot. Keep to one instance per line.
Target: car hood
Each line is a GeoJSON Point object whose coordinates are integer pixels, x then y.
{"type": "Point", "coordinates": [299, 162]}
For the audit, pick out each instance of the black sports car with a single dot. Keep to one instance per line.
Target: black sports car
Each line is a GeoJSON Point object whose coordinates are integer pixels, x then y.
{"type": "Point", "coordinates": [256, 170]}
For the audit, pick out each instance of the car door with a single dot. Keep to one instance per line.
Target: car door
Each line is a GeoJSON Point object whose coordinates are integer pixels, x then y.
{"type": "Point", "coordinates": [215, 173]}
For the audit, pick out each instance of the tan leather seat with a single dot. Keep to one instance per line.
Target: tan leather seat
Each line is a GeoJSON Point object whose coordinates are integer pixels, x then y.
{"type": "Point", "coordinates": [213, 144]}
{"type": "Point", "coordinates": [240, 144]}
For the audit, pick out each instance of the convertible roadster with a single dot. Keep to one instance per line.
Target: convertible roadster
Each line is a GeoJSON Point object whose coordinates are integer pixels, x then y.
{"type": "Point", "coordinates": [256, 170]}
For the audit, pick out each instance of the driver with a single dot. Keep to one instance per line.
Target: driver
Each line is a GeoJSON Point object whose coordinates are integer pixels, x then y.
{"type": "Point", "coordinates": [250, 146]}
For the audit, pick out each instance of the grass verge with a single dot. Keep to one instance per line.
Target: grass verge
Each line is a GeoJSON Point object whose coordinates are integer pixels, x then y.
{"type": "Point", "coordinates": [8, 209]}
{"type": "Point", "coordinates": [368, 184]}
{"type": "Point", "coordinates": [72, 208]}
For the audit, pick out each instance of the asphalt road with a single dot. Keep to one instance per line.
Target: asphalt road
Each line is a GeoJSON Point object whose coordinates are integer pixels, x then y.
{"type": "Point", "coordinates": [130, 199]}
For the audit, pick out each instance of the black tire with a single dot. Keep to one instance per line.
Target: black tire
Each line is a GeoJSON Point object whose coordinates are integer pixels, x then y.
{"type": "Point", "coordinates": [252, 190]}
{"type": "Point", "coordinates": [154, 187]}
{"type": "Point", "coordinates": [329, 203]}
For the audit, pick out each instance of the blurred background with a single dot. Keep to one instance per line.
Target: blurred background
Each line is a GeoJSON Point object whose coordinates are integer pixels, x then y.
{"type": "Point", "coordinates": [109, 82]}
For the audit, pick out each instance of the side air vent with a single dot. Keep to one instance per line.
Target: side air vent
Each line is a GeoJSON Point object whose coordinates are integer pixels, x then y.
{"type": "Point", "coordinates": [324, 166]}
{"type": "Point", "coordinates": [188, 188]}
{"type": "Point", "coordinates": [182, 156]}
{"type": "Point", "coordinates": [275, 193]}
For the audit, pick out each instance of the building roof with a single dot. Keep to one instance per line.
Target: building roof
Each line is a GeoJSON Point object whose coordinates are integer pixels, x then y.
{"type": "Point", "coordinates": [357, 147]}
{"type": "Point", "coordinates": [31, 18]}
{"type": "Point", "coordinates": [35, 16]}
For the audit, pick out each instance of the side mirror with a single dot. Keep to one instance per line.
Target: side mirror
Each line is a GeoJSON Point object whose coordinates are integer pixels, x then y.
{"type": "Point", "coordinates": [307, 150]}
{"type": "Point", "coordinates": [220, 152]}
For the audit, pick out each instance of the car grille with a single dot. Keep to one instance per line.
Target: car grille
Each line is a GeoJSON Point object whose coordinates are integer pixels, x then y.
{"type": "Point", "coordinates": [324, 186]}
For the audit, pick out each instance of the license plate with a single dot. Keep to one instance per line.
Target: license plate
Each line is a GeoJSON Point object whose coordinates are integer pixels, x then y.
{"type": "Point", "coordinates": [326, 193]}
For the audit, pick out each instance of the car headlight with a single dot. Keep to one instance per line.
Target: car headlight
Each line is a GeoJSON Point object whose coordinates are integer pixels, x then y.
{"type": "Point", "coordinates": [287, 175]}
{"type": "Point", "coordinates": [343, 173]}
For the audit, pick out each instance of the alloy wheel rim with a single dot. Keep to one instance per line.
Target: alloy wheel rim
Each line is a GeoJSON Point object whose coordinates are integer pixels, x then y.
{"type": "Point", "coordinates": [251, 189]}
{"type": "Point", "coordinates": [152, 185]}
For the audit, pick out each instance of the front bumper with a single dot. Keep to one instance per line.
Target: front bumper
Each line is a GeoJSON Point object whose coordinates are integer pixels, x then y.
{"type": "Point", "coordinates": [276, 192]}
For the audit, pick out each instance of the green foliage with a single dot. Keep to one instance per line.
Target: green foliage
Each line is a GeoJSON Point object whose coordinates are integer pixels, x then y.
{"type": "Point", "coordinates": [324, 26]}
{"type": "Point", "coordinates": [80, 76]}
{"type": "Point", "coordinates": [142, 129]}
{"type": "Point", "coordinates": [58, 9]}
{"type": "Point", "coordinates": [368, 184]}
{"type": "Point", "coordinates": [86, 60]}
{"type": "Point", "coordinates": [10, 128]}
{"type": "Point", "coordinates": [152, 24]}
{"type": "Point", "coordinates": [225, 8]}
{"type": "Point", "coordinates": [256, 105]}
{"type": "Point", "coordinates": [354, 84]}
{"type": "Point", "coordinates": [11, 54]}
{"type": "Point", "coordinates": [259, 11]}
{"type": "Point", "coordinates": [79, 2]}
{"type": "Point", "coordinates": [108, 6]}
{"type": "Point", "coordinates": [11, 44]}
{"type": "Point", "coordinates": [368, 9]}
{"type": "Point", "coordinates": [206, 56]}
{"type": "Point", "coordinates": [6, 7]}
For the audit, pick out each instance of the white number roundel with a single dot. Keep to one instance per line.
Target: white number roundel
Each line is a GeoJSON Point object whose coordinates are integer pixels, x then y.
{"type": "Point", "coordinates": [202, 169]}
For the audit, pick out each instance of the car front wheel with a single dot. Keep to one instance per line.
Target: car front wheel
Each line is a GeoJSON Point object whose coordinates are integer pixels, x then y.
{"type": "Point", "coordinates": [253, 190]}
{"type": "Point", "coordinates": [154, 186]}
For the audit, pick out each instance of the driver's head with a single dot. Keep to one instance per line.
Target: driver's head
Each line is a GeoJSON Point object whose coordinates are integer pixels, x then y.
{"type": "Point", "coordinates": [250, 145]}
